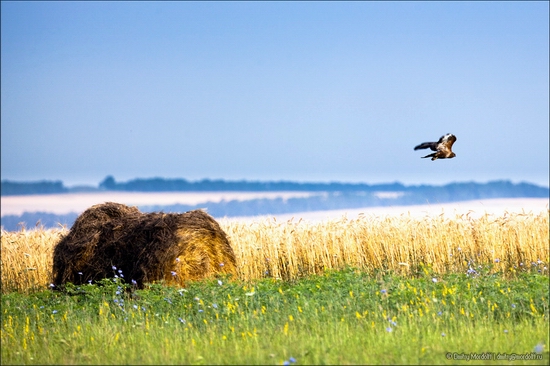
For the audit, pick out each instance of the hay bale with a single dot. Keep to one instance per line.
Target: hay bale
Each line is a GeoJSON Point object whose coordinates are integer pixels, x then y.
{"type": "Point", "coordinates": [142, 247]}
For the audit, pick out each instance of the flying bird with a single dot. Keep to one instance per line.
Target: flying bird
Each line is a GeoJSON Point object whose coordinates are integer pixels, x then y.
{"type": "Point", "coordinates": [442, 147]}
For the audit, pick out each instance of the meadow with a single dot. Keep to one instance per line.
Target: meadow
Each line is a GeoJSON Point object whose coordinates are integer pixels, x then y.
{"type": "Point", "coordinates": [367, 291]}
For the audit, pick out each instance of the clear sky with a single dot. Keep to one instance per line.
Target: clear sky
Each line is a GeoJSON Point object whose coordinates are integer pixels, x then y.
{"type": "Point", "coordinates": [305, 91]}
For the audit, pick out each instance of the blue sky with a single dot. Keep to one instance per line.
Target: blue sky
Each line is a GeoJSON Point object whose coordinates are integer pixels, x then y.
{"type": "Point", "coordinates": [305, 91]}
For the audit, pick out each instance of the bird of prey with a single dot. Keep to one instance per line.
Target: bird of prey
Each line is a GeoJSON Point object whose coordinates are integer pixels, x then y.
{"type": "Point", "coordinates": [442, 147]}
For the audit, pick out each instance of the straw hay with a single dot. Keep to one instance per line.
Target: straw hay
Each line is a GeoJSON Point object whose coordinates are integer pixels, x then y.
{"type": "Point", "coordinates": [114, 239]}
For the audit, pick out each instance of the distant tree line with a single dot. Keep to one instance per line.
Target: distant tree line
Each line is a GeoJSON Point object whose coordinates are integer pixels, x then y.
{"type": "Point", "coordinates": [208, 185]}
{"type": "Point", "coordinates": [10, 188]}
{"type": "Point", "coordinates": [454, 191]}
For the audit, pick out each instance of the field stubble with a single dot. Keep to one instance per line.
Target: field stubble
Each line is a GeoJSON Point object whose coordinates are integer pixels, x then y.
{"type": "Point", "coordinates": [293, 249]}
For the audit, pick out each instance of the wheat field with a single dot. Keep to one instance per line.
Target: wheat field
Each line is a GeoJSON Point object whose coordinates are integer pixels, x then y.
{"type": "Point", "coordinates": [292, 249]}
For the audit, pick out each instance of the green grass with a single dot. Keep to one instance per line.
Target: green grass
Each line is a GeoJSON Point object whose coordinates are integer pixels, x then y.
{"type": "Point", "coordinates": [340, 317]}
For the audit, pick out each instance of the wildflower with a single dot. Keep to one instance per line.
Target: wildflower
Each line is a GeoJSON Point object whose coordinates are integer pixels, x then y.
{"type": "Point", "coordinates": [443, 334]}
{"type": "Point", "coordinates": [54, 312]}
{"type": "Point", "coordinates": [439, 313]}
{"type": "Point", "coordinates": [383, 291]}
{"type": "Point", "coordinates": [220, 282]}
{"type": "Point", "coordinates": [177, 260]}
{"type": "Point", "coordinates": [168, 300]}
{"type": "Point", "coordinates": [505, 331]}
{"type": "Point", "coordinates": [118, 292]}
{"type": "Point", "coordinates": [134, 282]}
{"type": "Point", "coordinates": [181, 320]}
{"type": "Point", "coordinates": [215, 306]}
{"type": "Point", "coordinates": [286, 363]}
{"type": "Point", "coordinates": [513, 306]}
{"type": "Point", "coordinates": [90, 282]}
{"type": "Point", "coordinates": [196, 298]}
{"type": "Point", "coordinates": [292, 359]}
{"type": "Point", "coordinates": [114, 268]}
{"type": "Point", "coordinates": [539, 261]}
{"type": "Point", "coordinates": [116, 301]}
{"type": "Point", "coordinates": [173, 273]}
{"type": "Point", "coordinates": [389, 329]}
{"type": "Point", "coordinates": [135, 306]}
{"type": "Point", "coordinates": [80, 273]}
{"type": "Point", "coordinates": [539, 348]}
{"type": "Point", "coordinates": [459, 249]}
{"type": "Point", "coordinates": [221, 264]}
{"type": "Point", "coordinates": [497, 260]}
{"type": "Point", "coordinates": [116, 276]}
{"type": "Point", "coordinates": [200, 310]}
{"type": "Point", "coordinates": [119, 271]}
{"type": "Point", "coordinates": [52, 285]}
{"type": "Point", "coordinates": [434, 280]}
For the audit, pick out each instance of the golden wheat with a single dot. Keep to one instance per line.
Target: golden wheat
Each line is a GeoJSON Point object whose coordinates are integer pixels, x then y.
{"type": "Point", "coordinates": [400, 244]}
{"type": "Point", "coordinates": [288, 250]}
{"type": "Point", "coordinates": [27, 258]}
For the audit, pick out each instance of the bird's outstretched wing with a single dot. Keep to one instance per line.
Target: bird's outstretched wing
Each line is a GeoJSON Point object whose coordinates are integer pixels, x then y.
{"type": "Point", "coordinates": [427, 145]}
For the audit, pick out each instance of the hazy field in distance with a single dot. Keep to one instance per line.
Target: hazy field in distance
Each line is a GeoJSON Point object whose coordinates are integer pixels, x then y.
{"type": "Point", "coordinates": [78, 202]}
{"type": "Point", "coordinates": [475, 208]}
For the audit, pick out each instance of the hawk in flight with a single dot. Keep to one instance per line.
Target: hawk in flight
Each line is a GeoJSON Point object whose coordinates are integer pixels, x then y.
{"type": "Point", "coordinates": [442, 147]}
